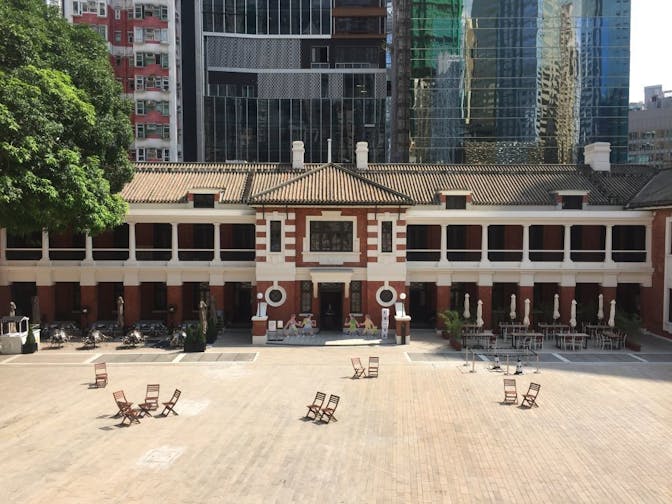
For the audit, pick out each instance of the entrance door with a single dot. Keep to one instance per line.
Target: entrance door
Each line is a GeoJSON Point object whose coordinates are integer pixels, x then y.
{"type": "Point", "coordinates": [331, 306]}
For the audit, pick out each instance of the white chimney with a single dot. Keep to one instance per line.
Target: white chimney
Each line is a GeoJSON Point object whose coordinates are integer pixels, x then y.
{"type": "Point", "coordinates": [362, 155]}
{"type": "Point", "coordinates": [298, 153]}
{"type": "Point", "coordinates": [329, 150]}
{"type": "Point", "coordinates": [597, 156]}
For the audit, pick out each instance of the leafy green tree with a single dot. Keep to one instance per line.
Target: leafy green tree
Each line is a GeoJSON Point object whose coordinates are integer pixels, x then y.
{"type": "Point", "coordinates": [64, 126]}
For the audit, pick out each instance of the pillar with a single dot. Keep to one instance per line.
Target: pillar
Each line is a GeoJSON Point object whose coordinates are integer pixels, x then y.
{"type": "Point", "coordinates": [442, 302]}
{"type": "Point", "coordinates": [174, 256]}
{"type": "Point", "coordinates": [3, 245]}
{"type": "Point", "coordinates": [259, 328]}
{"type": "Point", "coordinates": [484, 244]}
{"type": "Point", "coordinates": [89, 298]}
{"type": "Point", "coordinates": [45, 245]}
{"type": "Point", "coordinates": [131, 242]}
{"type": "Point", "coordinates": [88, 248]}
{"type": "Point", "coordinates": [47, 296]}
{"type": "Point", "coordinates": [485, 295]}
{"type": "Point", "coordinates": [567, 294]}
{"type": "Point", "coordinates": [526, 243]}
{"type": "Point", "coordinates": [131, 304]}
{"type": "Point", "coordinates": [608, 244]}
{"type": "Point", "coordinates": [174, 298]}
{"type": "Point", "coordinates": [217, 257]}
{"type": "Point", "coordinates": [567, 255]}
{"type": "Point", "coordinates": [444, 243]}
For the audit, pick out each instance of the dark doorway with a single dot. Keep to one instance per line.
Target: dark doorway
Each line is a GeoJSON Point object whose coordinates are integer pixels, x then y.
{"type": "Point", "coordinates": [422, 304]}
{"type": "Point", "coordinates": [22, 293]}
{"type": "Point", "coordinates": [241, 314]}
{"type": "Point", "coordinates": [331, 306]}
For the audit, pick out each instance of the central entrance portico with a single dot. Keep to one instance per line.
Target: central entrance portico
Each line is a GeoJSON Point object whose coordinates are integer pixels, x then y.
{"type": "Point", "coordinates": [332, 288]}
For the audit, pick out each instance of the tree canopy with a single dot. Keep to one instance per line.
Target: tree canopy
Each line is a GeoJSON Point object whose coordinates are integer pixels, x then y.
{"type": "Point", "coordinates": [64, 126]}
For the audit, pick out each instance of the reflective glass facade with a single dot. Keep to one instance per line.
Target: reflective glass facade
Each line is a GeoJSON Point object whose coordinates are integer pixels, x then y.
{"type": "Point", "coordinates": [316, 72]}
{"type": "Point", "coordinates": [522, 81]}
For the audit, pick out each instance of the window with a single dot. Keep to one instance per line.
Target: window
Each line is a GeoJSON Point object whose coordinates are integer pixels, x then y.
{"type": "Point", "coordinates": [118, 59]}
{"type": "Point", "coordinates": [117, 40]}
{"type": "Point", "coordinates": [117, 13]}
{"type": "Point", "coordinates": [139, 60]}
{"type": "Point", "coordinates": [204, 200]}
{"type": "Point", "coordinates": [166, 154]}
{"type": "Point", "coordinates": [101, 29]}
{"type": "Point", "coordinates": [276, 295]}
{"type": "Point", "coordinates": [129, 36]}
{"type": "Point", "coordinates": [331, 236]}
{"type": "Point", "coordinates": [140, 131]}
{"type": "Point", "coordinates": [165, 83]}
{"type": "Point", "coordinates": [138, 34]}
{"type": "Point", "coordinates": [165, 132]}
{"type": "Point", "coordinates": [572, 202]}
{"type": "Point", "coordinates": [306, 296]}
{"type": "Point", "coordinates": [356, 297]}
{"type": "Point", "coordinates": [102, 9]}
{"type": "Point", "coordinates": [275, 239]}
{"type": "Point", "coordinates": [164, 60]}
{"type": "Point", "coordinates": [456, 202]}
{"type": "Point", "coordinates": [139, 14]}
{"type": "Point", "coordinates": [386, 295]}
{"type": "Point", "coordinates": [140, 154]}
{"type": "Point", "coordinates": [386, 236]}
{"type": "Point", "coordinates": [139, 83]}
{"type": "Point", "coordinates": [140, 107]}
{"type": "Point", "coordinates": [164, 13]}
{"type": "Point", "coordinates": [319, 57]}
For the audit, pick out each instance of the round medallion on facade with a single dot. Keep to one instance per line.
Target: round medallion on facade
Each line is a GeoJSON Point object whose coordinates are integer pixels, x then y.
{"type": "Point", "coordinates": [386, 295]}
{"type": "Point", "coordinates": [275, 295]}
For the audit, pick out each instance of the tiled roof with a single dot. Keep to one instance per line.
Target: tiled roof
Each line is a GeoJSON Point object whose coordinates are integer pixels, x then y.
{"type": "Point", "coordinates": [657, 193]}
{"type": "Point", "coordinates": [391, 184]}
{"type": "Point", "coordinates": [329, 185]}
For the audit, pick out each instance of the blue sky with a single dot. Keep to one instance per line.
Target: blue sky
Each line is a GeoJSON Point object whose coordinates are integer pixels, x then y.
{"type": "Point", "coordinates": [650, 46]}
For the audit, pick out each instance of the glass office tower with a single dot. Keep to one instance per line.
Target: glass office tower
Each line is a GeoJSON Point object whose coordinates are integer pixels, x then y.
{"type": "Point", "coordinates": [275, 71]}
{"type": "Point", "coordinates": [518, 81]}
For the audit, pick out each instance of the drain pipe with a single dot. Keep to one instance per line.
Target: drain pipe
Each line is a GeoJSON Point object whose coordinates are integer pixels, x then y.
{"type": "Point", "coordinates": [329, 150]}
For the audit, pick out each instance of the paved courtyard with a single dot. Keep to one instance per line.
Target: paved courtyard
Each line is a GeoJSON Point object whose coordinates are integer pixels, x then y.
{"type": "Point", "coordinates": [426, 430]}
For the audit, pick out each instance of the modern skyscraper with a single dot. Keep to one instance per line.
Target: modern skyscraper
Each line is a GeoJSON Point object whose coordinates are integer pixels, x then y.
{"type": "Point", "coordinates": [650, 129]}
{"type": "Point", "coordinates": [514, 81]}
{"type": "Point", "coordinates": [143, 38]}
{"type": "Point", "coordinates": [268, 72]}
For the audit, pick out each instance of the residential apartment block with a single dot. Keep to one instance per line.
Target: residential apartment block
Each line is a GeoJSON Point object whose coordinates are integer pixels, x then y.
{"type": "Point", "coordinates": [144, 42]}
{"type": "Point", "coordinates": [650, 129]}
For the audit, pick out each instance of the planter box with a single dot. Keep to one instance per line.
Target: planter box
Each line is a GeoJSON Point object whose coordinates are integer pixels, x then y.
{"type": "Point", "coordinates": [634, 346]}
{"type": "Point", "coordinates": [28, 348]}
{"type": "Point", "coordinates": [456, 344]}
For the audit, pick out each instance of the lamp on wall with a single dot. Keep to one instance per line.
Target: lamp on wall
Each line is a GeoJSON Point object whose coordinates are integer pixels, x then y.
{"type": "Point", "coordinates": [171, 315]}
{"type": "Point", "coordinates": [260, 296]}
{"type": "Point", "coordinates": [85, 312]}
{"type": "Point", "coordinates": [402, 296]}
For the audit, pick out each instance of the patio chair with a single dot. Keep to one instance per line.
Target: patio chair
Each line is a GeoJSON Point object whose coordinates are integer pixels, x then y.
{"type": "Point", "coordinates": [151, 399]}
{"type": "Point", "coordinates": [374, 363]}
{"type": "Point", "coordinates": [510, 391]}
{"type": "Point", "coordinates": [330, 409]}
{"type": "Point", "coordinates": [101, 374]}
{"type": "Point", "coordinates": [133, 415]}
{"type": "Point", "coordinates": [120, 400]}
{"type": "Point", "coordinates": [315, 407]}
{"type": "Point", "coordinates": [168, 406]}
{"type": "Point", "coordinates": [530, 399]}
{"type": "Point", "coordinates": [357, 366]}
{"type": "Point", "coordinates": [606, 342]}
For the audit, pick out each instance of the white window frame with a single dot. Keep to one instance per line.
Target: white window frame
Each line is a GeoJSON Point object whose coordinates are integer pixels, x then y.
{"type": "Point", "coordinates": [166, 155]}
{"type": "Point", "coordinates": [282, 235]}
{"type": "Point", "coordinates": [76, 8]}
{"type": "Point", "coordinates": [139, 60]}
{"type": "Point", "coordinates": [380, 236]}
{"type": "Point", "coordinates": [140, 107]}
{"type": "Point", "coordinates": [140, 154]}
{"type": "Point", "coordinates": [140, 131]}
{"type": "Point", "coordinates": [117, 13]}
{"type": "Point", "coordinates": [394, 297]}
{"type": "Point", "coordinates": [139, 83]}
{"type": "Point", "coordinates": [102, 9]}
{"type": "Point", "coordinates": [138, 34]}
{"type": "Point", "coordinates": [277, 287]}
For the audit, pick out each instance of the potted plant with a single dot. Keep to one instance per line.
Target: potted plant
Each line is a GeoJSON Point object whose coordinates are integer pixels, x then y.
{"type": "Point", "coordinates": [30, 346]}
{"type": "Point", "coordinates": [195, 340]}
{"type": "Point", "coordinates": [452, 327]}
{"type": "Point", "coordinates": [211, 331]}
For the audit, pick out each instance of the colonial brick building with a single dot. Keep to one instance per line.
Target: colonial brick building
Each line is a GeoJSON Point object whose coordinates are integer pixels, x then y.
{"type": "Point", "coordinates": [332, 239]}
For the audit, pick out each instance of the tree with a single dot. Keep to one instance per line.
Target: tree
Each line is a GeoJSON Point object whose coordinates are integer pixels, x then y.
{"type": "Point", "coordinates": [64, 126]}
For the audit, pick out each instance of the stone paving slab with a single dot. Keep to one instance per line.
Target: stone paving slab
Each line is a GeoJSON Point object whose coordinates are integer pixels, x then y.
{"type": "Point", "coordinates": [649, 357]}
{"type": "Point", "coordinates": [217, 357]}
{"type": "Point", "coordinates": [597, 357]}
{"type": "Point", "coordinates": [434, 357]}
{"type": "Point", "coordinates": [52, 357]}
{"type": "Point", "coordinates": [133, 357]}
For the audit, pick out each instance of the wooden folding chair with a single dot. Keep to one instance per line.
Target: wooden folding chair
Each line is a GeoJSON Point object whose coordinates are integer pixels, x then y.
{"type": "Point", "coordinates": [530, 399]}
{"type": "Point", "coordinates": [510, 392]}
{"type": "Point", "coordinates": [151, 399]}
{"type": "Point", "coordinates": [168, 406]}
{"type": "Point", "coordinates": [101, 374]}
{"type": "Point", "coordinates": [133, 415]}
{"type": "Point", "coordinates": [330, 409]}
{"type": "Point", "coordinates": [120, 401]}
{"type": "Point", "coordinates": [374, 363]}
{"type": "Point", "coordinates": [357, 366]}
{"type": "Point", "coordinates": [316, 406]}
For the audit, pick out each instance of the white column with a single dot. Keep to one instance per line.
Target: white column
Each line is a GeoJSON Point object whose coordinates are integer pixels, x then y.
{"type": "Point", "coordinates": [45, 245]}
{"type": "Point", "coordinates": [174, 243]}
{"type": "Point", "coordinates": [484, 243]}
{"type": "Point", "coordinates": [608, 244]}
{"type": "Point", "coordinates": [647, 244]}
{"type": "Point", "coordinates": [131, 242]}
{"type": "Point", "coordinates": [88, 248]}
{"type": "Point", "coordinates": [3, 244]}
{"type": "Point", "coordinates": [217, 257]}
{"type": "Point", "coordinates": [526, 243]}
{"type": "Point", "coordinates": [444, 245]}
{"type": "Point", "coordinates": [568, 243]}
